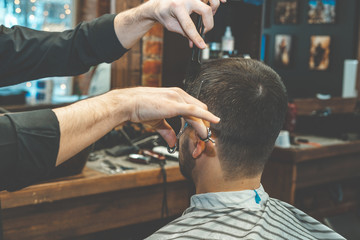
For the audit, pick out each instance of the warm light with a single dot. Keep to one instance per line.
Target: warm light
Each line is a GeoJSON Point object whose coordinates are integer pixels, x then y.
{"type": "Point", "coordinates": [28, 84]}
{"type": "Point", "coordinates": [46, 13]}
{"type": "Point", "coordinates": [62, 16]}
{"type": "Point", "coordinates": [46, 29]}
{"type": "Point", "coordinates": [32, 1]}
{"type": "Point", "coordinates": [66, 6]}
{"type": "Point", "coordinates": [18, 10]}
{"type": "Point", "coordinates": [67, 11]}
{"type": "Point", "coordinates": [33, 8]}
{"type": "Point", "coordinates": [31, 17]}
{"type": "Point", "coordinates": [63, 86]}
{"type": "Point", "coordinates": [17, 2]}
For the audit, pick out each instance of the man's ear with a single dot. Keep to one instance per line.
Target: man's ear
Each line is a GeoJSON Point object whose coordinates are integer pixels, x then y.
{"type": "Point", "coordinates": [199, 148]}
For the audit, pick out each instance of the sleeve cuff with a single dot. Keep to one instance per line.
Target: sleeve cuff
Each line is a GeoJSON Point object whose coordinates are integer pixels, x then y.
{"type": "Point", "coordinates": [38, 138]}
{"type": "Point", "coordinates": [107, 43]}
{"type": "Point", "coordinates": [8, 151]}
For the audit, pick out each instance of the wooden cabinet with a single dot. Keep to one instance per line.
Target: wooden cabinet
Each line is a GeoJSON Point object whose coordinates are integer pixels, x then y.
{"type": "Point", "coordinates": [91, 202]}
{"type": "Point", "coordinates": [322, 181]}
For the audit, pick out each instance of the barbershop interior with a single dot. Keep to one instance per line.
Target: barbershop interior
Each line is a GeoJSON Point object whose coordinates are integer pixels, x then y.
{"type": "Point", "coordinates": [127, 185]}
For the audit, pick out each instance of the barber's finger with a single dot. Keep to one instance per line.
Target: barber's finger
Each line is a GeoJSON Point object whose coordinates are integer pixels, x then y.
{"type": "Point", "coordinates": [166, 131]}
{"type": "Point", "coordinates": [187, 110]}
{"type": "Point", "coordinates": [199, 126]}
{"type": "Point", "coordinates": [189, 28]}
{"type": "Point", "coordinates": [214, 5]}
{"type": "Point", "coordinates": [206, 13]}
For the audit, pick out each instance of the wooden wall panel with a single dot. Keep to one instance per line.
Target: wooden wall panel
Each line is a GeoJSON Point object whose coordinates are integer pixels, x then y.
{"type": "Point", "coordinates": [103, 7]}
{"type": "Point", "coordinates": [88, 10]}
{"type": "Point", "coordinates": [126, 71]}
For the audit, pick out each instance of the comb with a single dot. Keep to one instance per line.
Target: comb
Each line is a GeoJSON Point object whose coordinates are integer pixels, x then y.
{"type": "Point", "coordinates": [194, 64]}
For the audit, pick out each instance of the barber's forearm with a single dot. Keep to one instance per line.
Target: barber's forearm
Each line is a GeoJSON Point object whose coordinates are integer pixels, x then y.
{"type": "Point", "coordinates": [84, 122]}
{"type": "Point", "coordinates": [132, 24]}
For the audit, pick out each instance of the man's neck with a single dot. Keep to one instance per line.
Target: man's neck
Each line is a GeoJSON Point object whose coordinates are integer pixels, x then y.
{"type": "Point", "coordinates": [227, 186]}
{"type": "Point", "coordinates": [211, 179]}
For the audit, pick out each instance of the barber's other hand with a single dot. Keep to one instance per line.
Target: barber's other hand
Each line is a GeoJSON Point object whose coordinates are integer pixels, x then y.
{"type": "Point", "coordinates": [153, 105]}
{"type": "Point", "coordinates": [175, 16]}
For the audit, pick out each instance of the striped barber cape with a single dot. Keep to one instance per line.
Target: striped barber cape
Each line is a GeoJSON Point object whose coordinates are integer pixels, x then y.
{"type": "Point", "coordinates": [248, 214]}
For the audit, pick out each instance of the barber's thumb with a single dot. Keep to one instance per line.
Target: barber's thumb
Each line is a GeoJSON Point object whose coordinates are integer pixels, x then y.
{"type": "Point", "coordinates": [166, 132]}
{"type": "Point", "coordinates": [191, 44]}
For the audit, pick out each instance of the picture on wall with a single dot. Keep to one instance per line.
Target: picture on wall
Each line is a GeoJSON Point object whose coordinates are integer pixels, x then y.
{"type": "Point", "coordinates": [286, 11]}
{"type": "Point", "coordinates": [319, 52]}
{"type": "Point", "coordinates": [283, 50]}
{"type": "Point", "coordinates": [321, 11]}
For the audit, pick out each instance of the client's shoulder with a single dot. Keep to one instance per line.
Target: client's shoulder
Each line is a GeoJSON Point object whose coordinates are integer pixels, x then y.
{"type": "Point", "coordinates": [297, 221]}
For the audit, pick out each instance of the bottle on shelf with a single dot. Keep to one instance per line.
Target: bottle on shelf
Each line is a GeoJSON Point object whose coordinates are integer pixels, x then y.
{"type": "Point", "coordinates": [215, 50]}
{"type": "Point", "coordinates": [227, 43]}
{"type": "Point", "coordinates": [205, 54]}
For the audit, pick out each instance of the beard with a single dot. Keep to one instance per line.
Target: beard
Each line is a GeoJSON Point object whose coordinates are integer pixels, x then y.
{"type": "Point", "coordinates": [186, 161]}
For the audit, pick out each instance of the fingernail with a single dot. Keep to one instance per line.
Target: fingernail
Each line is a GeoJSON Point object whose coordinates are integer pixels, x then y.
{"type": "Point", "coordinates": [202, 44]}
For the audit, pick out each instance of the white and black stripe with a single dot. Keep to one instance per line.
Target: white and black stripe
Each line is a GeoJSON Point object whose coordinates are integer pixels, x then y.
{"type": "Point", "coordinates": [236, 215]}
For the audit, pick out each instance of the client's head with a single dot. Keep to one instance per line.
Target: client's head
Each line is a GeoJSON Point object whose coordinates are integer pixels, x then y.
{"type": "Point", "coordinates": [251, 101]}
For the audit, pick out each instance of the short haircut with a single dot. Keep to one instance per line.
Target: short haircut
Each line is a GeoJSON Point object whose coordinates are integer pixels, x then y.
{"type": "Point", "coordinates": [251, 101]}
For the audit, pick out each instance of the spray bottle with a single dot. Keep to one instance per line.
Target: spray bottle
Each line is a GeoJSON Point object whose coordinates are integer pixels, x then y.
{"type": "Point", "coordinates": [227, 45]}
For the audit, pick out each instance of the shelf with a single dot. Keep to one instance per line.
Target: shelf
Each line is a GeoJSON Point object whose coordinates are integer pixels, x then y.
{"type": "Point", "coordinates": [338, 105]}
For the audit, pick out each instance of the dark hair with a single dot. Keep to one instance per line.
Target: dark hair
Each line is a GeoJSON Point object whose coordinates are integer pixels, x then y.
{"type": "Point", "coordinates": [251, 101]}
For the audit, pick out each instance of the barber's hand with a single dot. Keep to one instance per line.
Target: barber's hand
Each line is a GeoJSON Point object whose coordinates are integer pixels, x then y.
{"type": "Point", "coordinates": [153, 105]}
{"type": "Point", "coordinates": [175, 16]}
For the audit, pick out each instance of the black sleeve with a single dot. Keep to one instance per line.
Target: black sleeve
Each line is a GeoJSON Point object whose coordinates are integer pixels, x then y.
{"type": "Point", "coordinates": [29, 144]}
{"type": "Point", "coordinates": [29, 141]}
{"type": "Point", "coordinates": [27, 54]}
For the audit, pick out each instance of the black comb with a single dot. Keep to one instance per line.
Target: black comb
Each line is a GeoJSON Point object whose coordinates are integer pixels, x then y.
{"type": "Point", "coordinates": [194, 65]}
